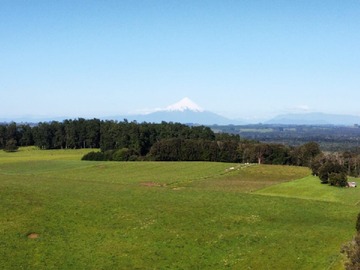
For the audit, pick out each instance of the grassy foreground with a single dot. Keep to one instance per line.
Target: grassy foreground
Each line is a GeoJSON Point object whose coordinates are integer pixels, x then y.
{"type": "Point", "coordinates": [154, 215]}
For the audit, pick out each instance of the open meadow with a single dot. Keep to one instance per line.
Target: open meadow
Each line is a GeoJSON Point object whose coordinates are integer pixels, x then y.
{"type": "Point", "coordinates": [58, 212]}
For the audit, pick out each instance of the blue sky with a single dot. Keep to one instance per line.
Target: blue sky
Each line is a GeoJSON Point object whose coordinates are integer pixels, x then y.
{"type": "Point", "coordinates": [242, 59]}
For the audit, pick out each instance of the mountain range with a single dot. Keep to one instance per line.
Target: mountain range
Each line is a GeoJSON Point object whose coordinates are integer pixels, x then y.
{"type": "Point", "coordinates": [188, 112]}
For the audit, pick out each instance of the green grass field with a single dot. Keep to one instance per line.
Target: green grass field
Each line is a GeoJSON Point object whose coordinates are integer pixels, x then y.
{"type": "Point", "coordinates": [167, 215]}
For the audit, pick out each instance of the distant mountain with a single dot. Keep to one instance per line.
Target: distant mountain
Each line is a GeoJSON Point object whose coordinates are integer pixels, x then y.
{"type": "Point", "coordinates": [185, 117]}
{"type": "Point", "coordinates": [185, 104]}
{"type": "Point", "coordinates": [315, 119]}
{"type": "Point", "coordinates": [185, 111]}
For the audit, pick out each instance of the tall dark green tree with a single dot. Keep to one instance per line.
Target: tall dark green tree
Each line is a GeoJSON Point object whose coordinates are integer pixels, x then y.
{"type": "Point", "coordinates": [304, 154]}
{"type": "Point", "coordinates": [108, 135]}
{"type": "Point", "coordinates": [70, 134]}
{"type": "Point", "coordinates": [26, 135]}
{"type": "Point", "coordinates": [12, 132]}
{"type": "Point", "coordinates": [58, 139]}
{"type": "Point", "coordinates": [43, 136]}
{"type": "Point", "coordinates": [2, 136]}
{"type": "Point", "coordinates": [93, 133]}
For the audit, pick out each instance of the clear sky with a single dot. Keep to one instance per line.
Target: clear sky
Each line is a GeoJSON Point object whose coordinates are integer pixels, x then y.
{"type": "Point", "coordinates": [242, 59]}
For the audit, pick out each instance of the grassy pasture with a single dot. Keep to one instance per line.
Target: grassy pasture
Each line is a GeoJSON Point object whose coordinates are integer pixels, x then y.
{"type": "Point", "coordinates": [308, 188]}
{"type": "Point", "coordinates": [158, 215]}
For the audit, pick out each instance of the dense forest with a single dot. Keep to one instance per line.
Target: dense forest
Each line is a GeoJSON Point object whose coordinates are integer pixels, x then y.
{"type": "Point", "coordinates": [148, 141]}
{"type": "Point", "coordinates": [126, 141]}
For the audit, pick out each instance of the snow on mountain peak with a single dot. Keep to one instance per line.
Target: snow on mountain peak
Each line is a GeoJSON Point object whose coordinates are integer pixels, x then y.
{"type": "Point", "coordinates": [183, 105]}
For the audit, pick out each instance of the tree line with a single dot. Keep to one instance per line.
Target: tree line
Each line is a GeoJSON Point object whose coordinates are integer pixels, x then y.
{"type": "Point", "coordinates": [132, 141]}
{"type": "Point", "coordinates": [334, 168]}
{"type": "Point", "coordinates": [95, 133]}
{"type": "Point", "coordinates": [123, 141]}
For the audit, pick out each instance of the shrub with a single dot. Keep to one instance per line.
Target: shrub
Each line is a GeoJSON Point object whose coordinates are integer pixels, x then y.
{"type": "Point", "coordinates": [332, 172]}
{"type": "Point", "coordinates": [352, 250]}
{"type": "Point", "coordinates": [11, 146]}
{"type": "Point", "coordinates": [125, 154]}
{"type": "Point", "coordinates": [95, 156]}
{"type": "Point", "coordinates": [338, 179]}
{"type": "Point", "coordinates": [108, 155]}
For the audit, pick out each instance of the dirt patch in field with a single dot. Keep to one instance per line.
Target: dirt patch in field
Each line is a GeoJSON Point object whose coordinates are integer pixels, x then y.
{"type": "Point", "coordinates": [152, 184]}
{"type": "Point", "coordinates": [178, 188]}
{"type": "Point", "coordinates": [33, 235]}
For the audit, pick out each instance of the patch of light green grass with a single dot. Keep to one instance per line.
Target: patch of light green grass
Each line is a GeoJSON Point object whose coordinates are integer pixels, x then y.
{"type": "Point", "coordinates": [32, 153]}
{"type": "Point", "coordinates": [310, 188]}
{"type": "Point", "coordinates": [247, 178]}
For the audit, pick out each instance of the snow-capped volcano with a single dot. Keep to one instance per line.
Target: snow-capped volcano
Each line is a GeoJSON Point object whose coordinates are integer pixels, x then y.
{"type": "Point", "coordinates": [184, 105]}
{"type": "Point", "coordinates": [185, 111]}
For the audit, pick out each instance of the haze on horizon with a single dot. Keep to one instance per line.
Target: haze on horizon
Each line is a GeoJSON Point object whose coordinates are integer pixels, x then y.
{"type": "Point", "coordinates": [241, 59]}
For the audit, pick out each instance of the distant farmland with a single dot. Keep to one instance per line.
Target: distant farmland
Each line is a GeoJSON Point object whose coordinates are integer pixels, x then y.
{"type": "Point", "coordinates": [57, 212]}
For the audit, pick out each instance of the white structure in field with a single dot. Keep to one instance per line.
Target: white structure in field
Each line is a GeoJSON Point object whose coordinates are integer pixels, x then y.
{"type": "Point", "coordinates": [352, 184]}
